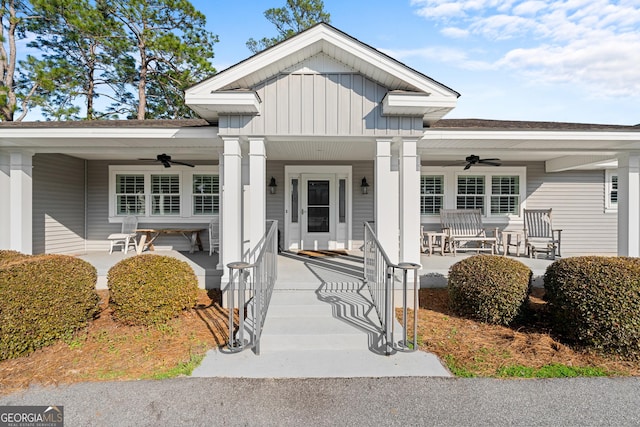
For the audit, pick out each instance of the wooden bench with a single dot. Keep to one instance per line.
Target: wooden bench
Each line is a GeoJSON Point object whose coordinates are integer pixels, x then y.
{"type": "Point", "coordinates": [464, 227]}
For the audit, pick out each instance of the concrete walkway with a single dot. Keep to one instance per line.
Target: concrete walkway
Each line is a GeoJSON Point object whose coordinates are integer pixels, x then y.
{"type": "Point", "coordinates": [320, 323]}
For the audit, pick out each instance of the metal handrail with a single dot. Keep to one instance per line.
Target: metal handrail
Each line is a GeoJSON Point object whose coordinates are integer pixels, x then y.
{"type": "Point", "coordinates": [255, 281]}
{"type": "Point", "coordinates": [380, 277]}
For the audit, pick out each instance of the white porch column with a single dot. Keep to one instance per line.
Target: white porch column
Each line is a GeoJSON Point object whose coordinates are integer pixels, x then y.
{"type": "Point", "coordinates": [231, 229]}
{"type": "Point", "coordinates": [409, 202]}
{"type": "Point", "coordinates": [629, 204]}
{"type": "Point", "coordinates": [21, 202]}
{"type": "Point", "coordinates": [386, 199]}
{"type": "Point", "coordinates": [220, 265]}
{"type": "Point", "coordinates": [5, 212]}
{"type": "Point", "coordinates": [257, 191]}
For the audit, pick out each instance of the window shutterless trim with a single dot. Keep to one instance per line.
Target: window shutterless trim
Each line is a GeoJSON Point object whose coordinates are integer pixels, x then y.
{"type": "Point", "coordinates": [181, 202]}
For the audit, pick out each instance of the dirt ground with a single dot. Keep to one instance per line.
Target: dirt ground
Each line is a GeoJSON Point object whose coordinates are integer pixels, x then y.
{"type": "Point", "coordinates": [107, 350]}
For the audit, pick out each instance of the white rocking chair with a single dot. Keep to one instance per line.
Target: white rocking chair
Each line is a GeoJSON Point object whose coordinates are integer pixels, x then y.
{"type": "Point", "coordinates": [127, 236]}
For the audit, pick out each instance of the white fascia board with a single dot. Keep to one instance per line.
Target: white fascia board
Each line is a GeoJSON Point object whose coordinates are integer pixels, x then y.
{"type": "Point", "coordinates": [384, 63]}
{"type": "Point", "coordinates": [430, 134]}
{"type": "Point", "coordinates": [226, 102]}
{"type": "Point", "coordinates": [14, 136]}
{"type": "Point", "coordinates": [565, 163]}
{"type": "Point", "coordinates": [256, 63]}
{"type": "Point", "coordinates": [413, 103]}
{"type": "Point", "coordinates": [323, 34]}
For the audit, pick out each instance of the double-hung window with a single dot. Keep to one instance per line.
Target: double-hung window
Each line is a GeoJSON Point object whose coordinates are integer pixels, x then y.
{"type": "Point", "coordinates": [206, 194]}
{"type": "Point", "coordinates": [431, 194]}
{"type": "Point", "coordinates": [505, 195]}
{"type": "Point", "coordinates": [471, 192]}
{"type": "Point", "coordinates": [163, 195]}
{"type": "Point", "coordinates": [497, 192]}
{"type": "Point", "coordinates": [129, 194]}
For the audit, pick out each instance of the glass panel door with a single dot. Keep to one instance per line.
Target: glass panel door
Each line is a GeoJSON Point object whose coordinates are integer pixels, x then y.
{"type": "Point", "coordinates": [318, 206]}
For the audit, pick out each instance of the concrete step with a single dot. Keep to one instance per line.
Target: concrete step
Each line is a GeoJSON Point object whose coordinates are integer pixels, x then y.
{"type": "Point", "coordinates": [335, 343]}
{"type": "Point", "coordinates": [319, 364]}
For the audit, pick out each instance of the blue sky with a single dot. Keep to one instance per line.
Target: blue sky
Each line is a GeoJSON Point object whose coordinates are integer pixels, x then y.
{"type": "Point", "coordinates": [547, 60]}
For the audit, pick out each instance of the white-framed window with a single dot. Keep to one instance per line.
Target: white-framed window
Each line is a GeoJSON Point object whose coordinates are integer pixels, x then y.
{"type": "Point", "coordinates": [431, 194]}
{"type": "Point", "coordinates": [158, 194]}
{"type": "Point", "coordinates": [498, 192]}
{"type": "Point", "coordinates": [471, 191]}
{"type": "Point", "coordinates": [611, 190]}
{"type": "Point", "coordinates": [206, 194]}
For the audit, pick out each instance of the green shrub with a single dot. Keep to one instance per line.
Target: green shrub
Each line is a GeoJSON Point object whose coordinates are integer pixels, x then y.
{"type": "Point", "coordinates": [151, 289]}
{"type": "Point", "coordinates": [595, 301]}
{"type": "Point", "coordinates": [42, 299]}
{"type": "Point", "coordinates": [489, 288]}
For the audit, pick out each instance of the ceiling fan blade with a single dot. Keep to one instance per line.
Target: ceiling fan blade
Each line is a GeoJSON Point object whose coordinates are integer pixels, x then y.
{"type": "Point", "coordinates": [467, 166]}
{"type": "Point", "coordinates": [488, 162]}
{"type": "Point", "coordinates": [482, 160]}
{"type": "Point", "coordinates": [182, 163]}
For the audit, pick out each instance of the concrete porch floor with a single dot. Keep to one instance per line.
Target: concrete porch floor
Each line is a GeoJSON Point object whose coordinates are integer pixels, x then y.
{"type": "Point", "coordinates": [203, 265]}
{"type": "Point", "coordinates": [435, 268]}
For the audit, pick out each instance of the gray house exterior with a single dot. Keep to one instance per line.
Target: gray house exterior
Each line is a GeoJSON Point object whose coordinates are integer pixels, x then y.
{"type": "Point", "coordinates": [317, 113]}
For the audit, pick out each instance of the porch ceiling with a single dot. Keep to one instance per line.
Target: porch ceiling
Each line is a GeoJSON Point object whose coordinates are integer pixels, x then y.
{"type": "Point", "coordinates": [320, 149]}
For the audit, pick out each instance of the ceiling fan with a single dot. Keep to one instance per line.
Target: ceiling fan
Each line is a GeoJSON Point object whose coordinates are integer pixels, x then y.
{"type": "Point", "coordinates": [167, 162]}
{"type": "Point", "coordinates": [473, 160]}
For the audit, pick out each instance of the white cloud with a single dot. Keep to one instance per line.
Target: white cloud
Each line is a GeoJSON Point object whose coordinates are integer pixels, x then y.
{"type": "Point", "coordinates": [529, 7]}
{"type": "Point", "coordinates": [455, 33]}
{"type": "Point", "coordinates": [441, 10]}
{"type": "Point", "coordinates": [594, 44]}
{"type": "Point", "coordinates": [442, 54]}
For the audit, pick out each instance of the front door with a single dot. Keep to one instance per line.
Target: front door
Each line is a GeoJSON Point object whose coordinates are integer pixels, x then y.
{"type": "Point", "coordinates": [317, 211]}
{"type": "Point", "coordinates": [317, 207]}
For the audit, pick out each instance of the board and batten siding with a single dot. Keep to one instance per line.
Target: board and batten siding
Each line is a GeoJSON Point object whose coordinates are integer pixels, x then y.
{"type": "Point", "coordinates": [577, 200]}
{"type": "Point", "coordinates": [333, 104]}
{"type": "Point", "coordinates": [362, 204]}
{"type": "Point", "coordinates": [58, 204]}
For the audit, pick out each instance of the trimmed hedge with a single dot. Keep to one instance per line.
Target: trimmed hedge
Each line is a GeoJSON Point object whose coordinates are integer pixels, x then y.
{"type": "Point", "coordinates": [42, 299]}
{"type": "Point", "coordinates": [490, 288]}
{"type": "Point", "coordinates": [595, 301]}
{"type": "Point", "coordinates": [7, 256]}
{"type": "Point", "coordinates": [151, 289]}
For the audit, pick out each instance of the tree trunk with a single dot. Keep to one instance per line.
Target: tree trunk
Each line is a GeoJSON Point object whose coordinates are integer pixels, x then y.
{"type": "Point", "coordinates": [8, 66]}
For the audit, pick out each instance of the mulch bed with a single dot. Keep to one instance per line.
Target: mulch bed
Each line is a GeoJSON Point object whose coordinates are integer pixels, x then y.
{"type": "Point", "coordinates": [107, 350]}
{"type": "Point", "coordinates": [483, 348]}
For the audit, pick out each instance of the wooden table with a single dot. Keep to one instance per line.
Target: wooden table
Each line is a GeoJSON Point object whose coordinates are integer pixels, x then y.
{"type": "Point", "coordinates": [149, 235]}
{"type": "Point", "coordinates": [511, 238]}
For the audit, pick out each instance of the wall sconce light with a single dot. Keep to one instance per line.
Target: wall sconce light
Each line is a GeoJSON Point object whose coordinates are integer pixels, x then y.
{"type": "Point", "coordinates": [364, 186]}
{"type": "Point", "coordinates": [272, 186]}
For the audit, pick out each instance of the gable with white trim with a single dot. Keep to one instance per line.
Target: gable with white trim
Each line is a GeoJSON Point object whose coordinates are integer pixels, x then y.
{"type": "Point", "coordinates": [321, 75]}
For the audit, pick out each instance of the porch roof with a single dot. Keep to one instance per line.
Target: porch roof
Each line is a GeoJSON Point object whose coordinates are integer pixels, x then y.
{"type": "Point", "coordinates": [562, 146]}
